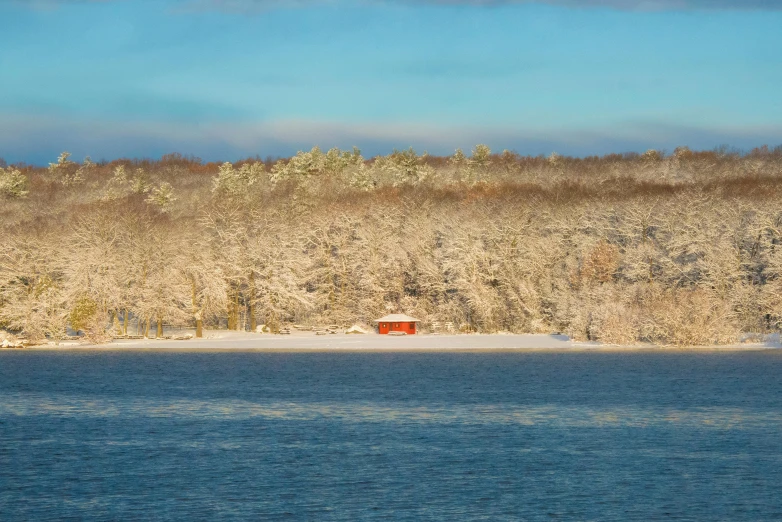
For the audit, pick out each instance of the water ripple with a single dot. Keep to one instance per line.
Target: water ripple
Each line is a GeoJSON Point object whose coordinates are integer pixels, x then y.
{"type": "Point", "coordinates": [718, 418]}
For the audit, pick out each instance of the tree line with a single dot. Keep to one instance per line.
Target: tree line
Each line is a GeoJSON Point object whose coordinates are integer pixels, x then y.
{"type": "Point", "coordinates": [679, 248]}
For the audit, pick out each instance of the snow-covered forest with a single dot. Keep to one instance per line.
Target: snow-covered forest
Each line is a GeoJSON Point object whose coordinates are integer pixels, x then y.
{"type": "Point", "coordinates": [679, 248]}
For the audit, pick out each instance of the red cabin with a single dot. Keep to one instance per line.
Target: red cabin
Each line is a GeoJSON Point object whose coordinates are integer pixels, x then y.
{"type": "Point", "coordinates": [397, 323]}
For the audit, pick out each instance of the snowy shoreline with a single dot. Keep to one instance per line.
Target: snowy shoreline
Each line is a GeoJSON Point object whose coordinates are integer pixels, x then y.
{"type": "Point", "coordinates": [306, 341]}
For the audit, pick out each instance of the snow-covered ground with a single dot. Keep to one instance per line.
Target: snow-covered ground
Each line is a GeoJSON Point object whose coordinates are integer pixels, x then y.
{"type": "Point", "coordinates": [340, 341]}
{"type": "Point", "coordinates": [228, 340]}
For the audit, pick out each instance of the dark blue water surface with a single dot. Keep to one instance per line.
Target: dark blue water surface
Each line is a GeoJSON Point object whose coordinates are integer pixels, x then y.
{"type": "Point", "coordinates": [114, 435]}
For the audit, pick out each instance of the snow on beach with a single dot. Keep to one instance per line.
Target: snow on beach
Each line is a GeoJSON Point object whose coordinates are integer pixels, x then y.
{"type": "Point", "coordinates": [307, 341]}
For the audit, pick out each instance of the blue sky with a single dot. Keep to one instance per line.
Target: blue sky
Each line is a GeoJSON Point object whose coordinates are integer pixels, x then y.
{"type": "Point", "coordinates": [226, 79]}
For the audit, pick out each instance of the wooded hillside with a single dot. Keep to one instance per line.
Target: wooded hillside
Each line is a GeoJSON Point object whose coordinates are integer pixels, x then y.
{"type": "Point", "coordinates": [674, 249]}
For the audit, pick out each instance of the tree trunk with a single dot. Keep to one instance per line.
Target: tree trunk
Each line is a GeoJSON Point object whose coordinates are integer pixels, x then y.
{"type": "Point", "coordinates": [114, 314]}
{"type": "Point", "coordinates": [159, 332]}
{"type": "Point", "coordinates": [117, 325]}
{"type": "Point", "coordinates": [233, 308]}
{"type": "Point", "coordinates": [272, 321]}
{"type": "Point", "coordinates": [196, 312]}
{"type": "Point", "coordinates": [146, 328]}
{"type": "Point", "coordinates": [253, 321]}
{"type": "Point", "coordinates": [237, 316]}
{"type": "Point", "coordinates": [125, 322]}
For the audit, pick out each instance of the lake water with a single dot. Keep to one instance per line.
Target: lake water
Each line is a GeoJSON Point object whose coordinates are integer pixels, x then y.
{"type": "Point", "coordinates": [110, 435]}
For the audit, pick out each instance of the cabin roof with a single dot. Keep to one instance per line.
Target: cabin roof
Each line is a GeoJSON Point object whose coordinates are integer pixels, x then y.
{"type": "Point", "coordinates": [397, 318]}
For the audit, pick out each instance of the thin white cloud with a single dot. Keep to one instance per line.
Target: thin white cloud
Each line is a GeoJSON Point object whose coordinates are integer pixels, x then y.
{"type": "Point", "coordinates": [624, 5]}
{"type": "Point", "coordinates": [627, 5]}
{"type": "Point", "coordinates": [52, 3]}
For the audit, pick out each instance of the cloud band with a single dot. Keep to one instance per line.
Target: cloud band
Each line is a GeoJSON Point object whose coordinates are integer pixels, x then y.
{"type": "Point", "coordinates": [622, 5]}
